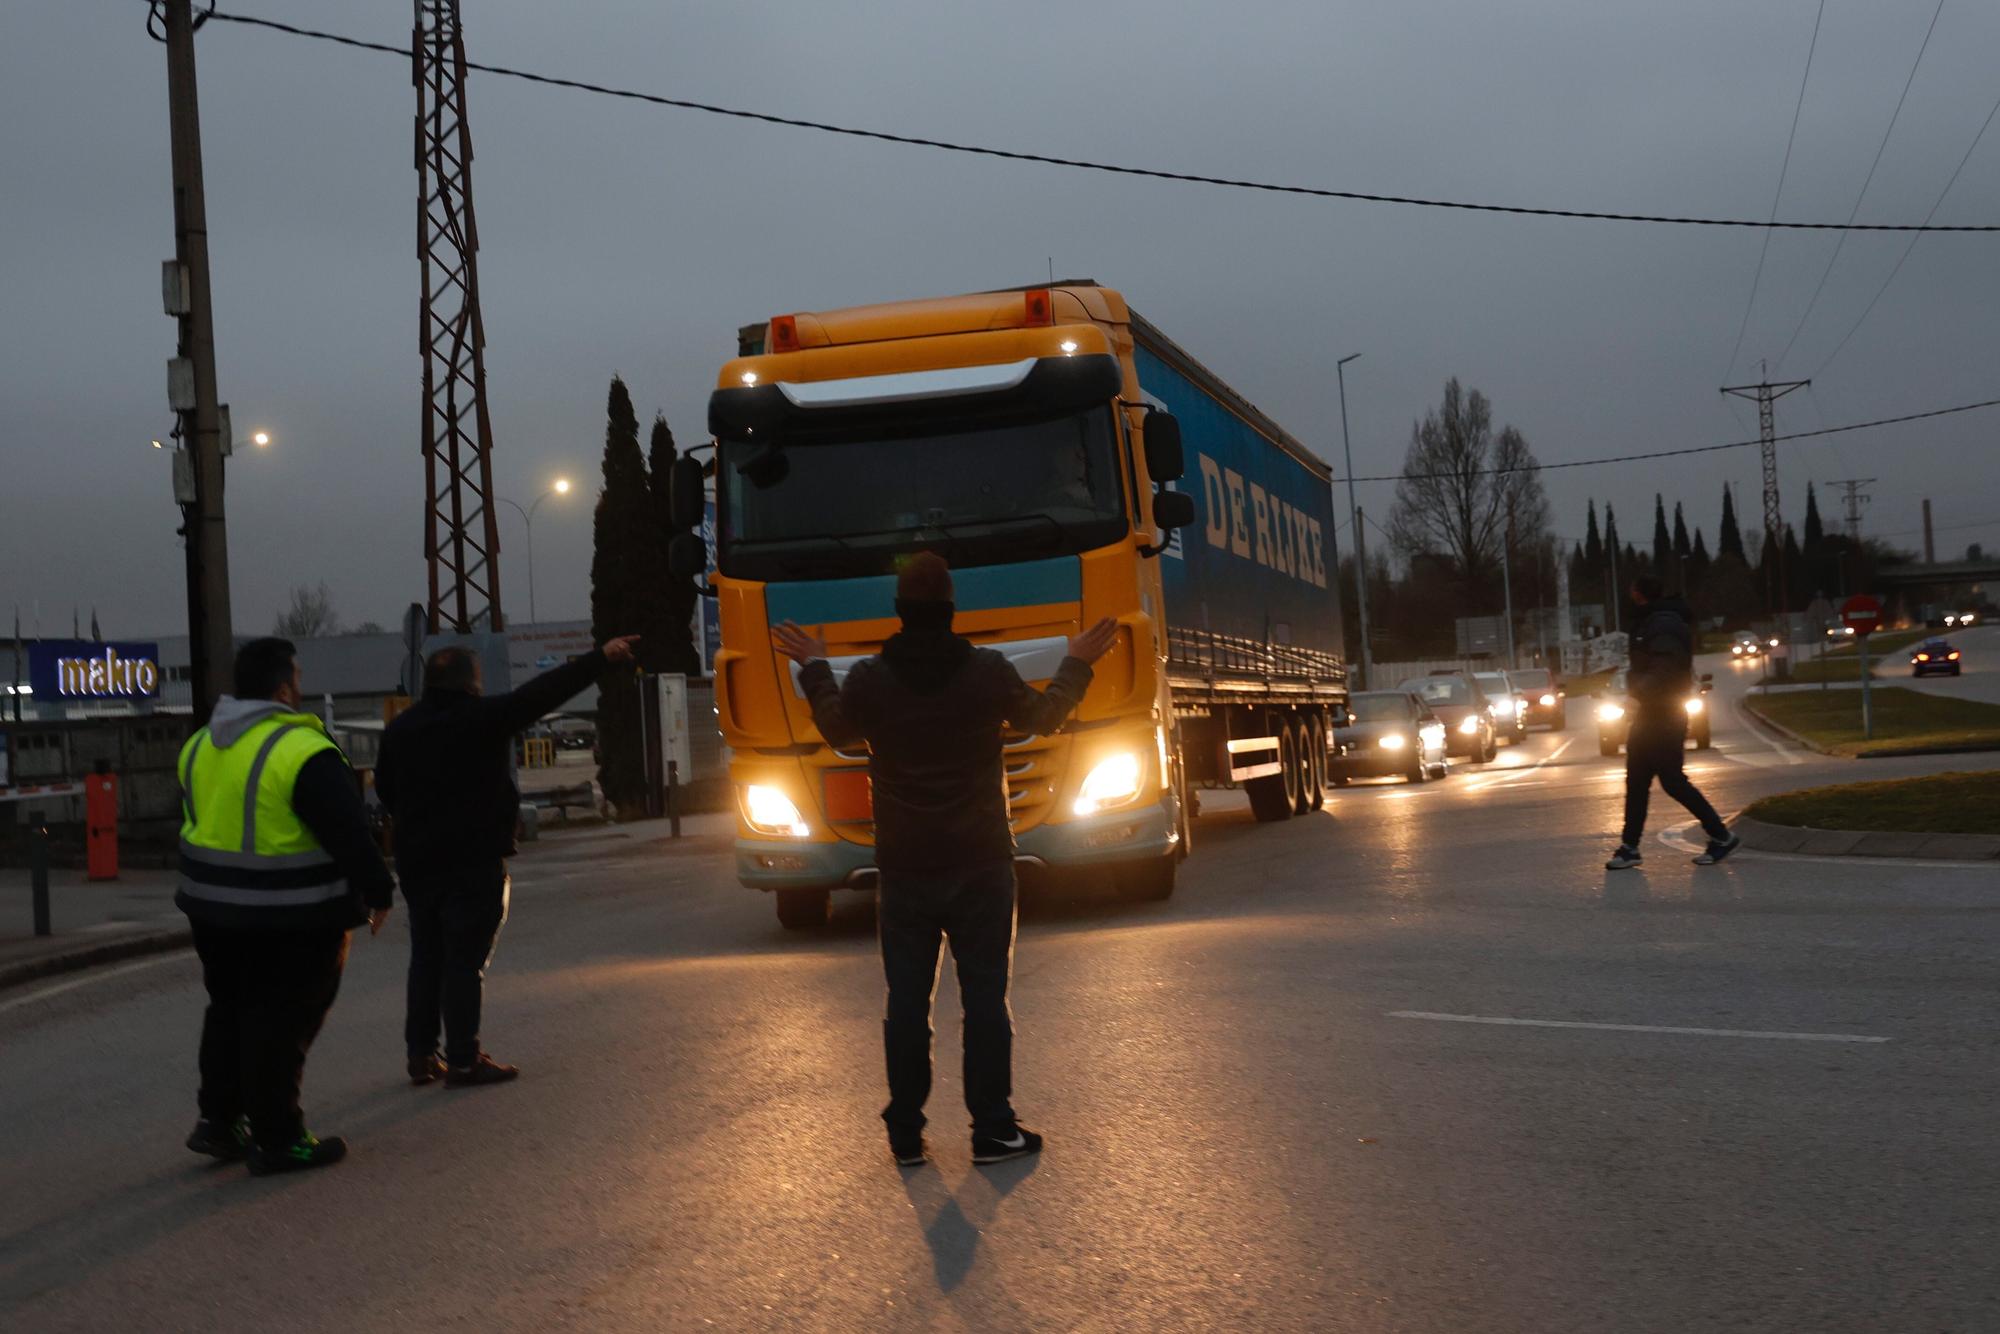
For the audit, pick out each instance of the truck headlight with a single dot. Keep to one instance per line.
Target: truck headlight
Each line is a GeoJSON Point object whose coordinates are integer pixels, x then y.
{"type": "Point", "coordinates": [1610, 713]}
{"type": "Point", "coordinates": [1469, 725]}
{"type": "Point", "coordinates": [1694, 705]}
{"type": "Point", "coordinates": [1392, 741]}
{"type": "Point", "coordinates": [769, 811]}
{"type": "Point", "coordinates": [1114, 781]}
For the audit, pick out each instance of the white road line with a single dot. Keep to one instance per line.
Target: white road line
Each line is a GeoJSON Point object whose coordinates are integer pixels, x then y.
{"type": "Point", "coordinates": [1633, 1028]}
{"type": "Point", "coordinates": [89, 975]}
{"type": "Point", "coordinates": [1493, 778]}
{"type": "Point", "coordinates": [1788, 756]}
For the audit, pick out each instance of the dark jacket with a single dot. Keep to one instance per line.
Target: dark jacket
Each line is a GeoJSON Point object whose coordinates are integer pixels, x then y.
{"type": "Point", "coordinates": [446, 771]}
{"type": "Point", "coordinates": [1662, 668]}
{"type": "Point", "coordinates": [931, 708]}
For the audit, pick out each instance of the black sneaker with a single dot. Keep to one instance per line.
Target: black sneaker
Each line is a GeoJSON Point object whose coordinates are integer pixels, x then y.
{"type": "Point", "coordinates": [909, 1150]}
{"type": "Point", "coordinates": [1718, 850]}
{"type": "Point", "coordinates": [426, 1069]}
{"type": "Point", "coordinates": [227, 1141]}
{"type": "Point", "coordinates": [484, 1071]}
{"type": "Point", "coordinates": [301, 1155]}
{"type": "Point", "coordinates": [1624, 859]}
{"type": "Point", "coordinates": [987, 1149]}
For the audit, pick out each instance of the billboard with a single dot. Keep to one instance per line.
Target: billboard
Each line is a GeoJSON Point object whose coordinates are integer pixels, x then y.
{"type": "Point", "coordinates": [91, 669]}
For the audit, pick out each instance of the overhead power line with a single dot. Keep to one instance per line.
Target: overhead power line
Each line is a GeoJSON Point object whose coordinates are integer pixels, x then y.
{"type": "Point", "coordinates": [1692, 449]}
{"type": "Point", "coordinates": [1866, 181]}
{"type": "Point", "coordinates": [1935, 204]}
{"type": "Point", "coordinates": [1764, 251]}
{"type": "Point", "coordinates": [1083, 164]}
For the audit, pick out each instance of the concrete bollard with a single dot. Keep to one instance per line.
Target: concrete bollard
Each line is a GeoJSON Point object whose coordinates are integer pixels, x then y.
{"type": "Point", "coordinates": [38, 863]}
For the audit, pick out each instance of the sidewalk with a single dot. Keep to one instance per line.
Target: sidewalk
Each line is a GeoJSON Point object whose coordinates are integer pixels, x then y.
{"type": "Point", "coordinates": [93, 922]}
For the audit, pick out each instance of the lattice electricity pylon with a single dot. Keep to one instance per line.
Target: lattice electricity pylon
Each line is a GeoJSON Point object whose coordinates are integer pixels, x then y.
{"type": "Point", "coordinates": [1765, 394]}
{"type": "Point", "coordinates": [461, 533]}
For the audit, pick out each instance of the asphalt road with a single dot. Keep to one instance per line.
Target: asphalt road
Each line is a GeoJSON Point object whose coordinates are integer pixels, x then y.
{"type": "Point", "coordinates": [1979, 679]}
{"type": "Point", "coordinates": [1247, 1129]}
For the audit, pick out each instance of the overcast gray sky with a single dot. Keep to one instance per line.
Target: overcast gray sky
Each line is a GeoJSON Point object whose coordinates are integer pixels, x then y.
{"type": "Point", "coordinates": [620, 237]}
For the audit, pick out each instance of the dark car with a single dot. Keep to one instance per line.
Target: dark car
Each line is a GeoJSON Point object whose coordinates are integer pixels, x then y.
{"type": "Point", "coordinates": [1389, 732]}
{"type": "Point", "coordinates": [1544, 702]}
{"type": "Point", "coordinates": [1935, 655]}
{"type": "Point", "coordinates": [1614, 715]}
{"type": "Point", "coordinates": [1464, 710]}
{"type": "Point", "coordinates": [1505, 701]}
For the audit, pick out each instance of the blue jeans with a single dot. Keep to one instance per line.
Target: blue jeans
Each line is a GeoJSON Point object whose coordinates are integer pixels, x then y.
{"type": "Point", "coordinates": [973, 908]}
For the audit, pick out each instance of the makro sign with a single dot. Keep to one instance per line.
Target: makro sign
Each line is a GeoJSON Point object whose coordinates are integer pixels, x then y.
{"type": "Point", "coordinates": [82, 669]}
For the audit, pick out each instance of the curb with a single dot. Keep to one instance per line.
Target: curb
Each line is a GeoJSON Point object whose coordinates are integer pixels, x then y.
{"type": "Point", "coordinates": [1766, 721]}
{"type": "Point", "coordinates": [91, 954]}
{"type": "Point", "coordinates": [1808, 841]}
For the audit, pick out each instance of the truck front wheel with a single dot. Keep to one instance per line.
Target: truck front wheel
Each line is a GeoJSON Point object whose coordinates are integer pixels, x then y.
{"type": "Point", "coordinates": [803, 909]}
{"type": "Point", "coordinates": [1147, 881]}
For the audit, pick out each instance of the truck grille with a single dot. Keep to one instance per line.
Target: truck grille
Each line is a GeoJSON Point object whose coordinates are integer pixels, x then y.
{"type": "Point", "coordinates": [1033, 767]}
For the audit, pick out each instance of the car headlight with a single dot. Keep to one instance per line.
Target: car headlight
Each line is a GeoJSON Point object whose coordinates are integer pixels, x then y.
{"type": "Point", "coordinates": [1469, 725]}
{"type": "Point", "coordinates": [1774, 643]}
{"type": "Point", "coordinates": [1548, 701]}
{"type": "Point", "coordinates": [769, 811]}
{"type": "Point", "coordinates": [1610, 713]}
{"type": "Point", "coordinates": [1694, 705]}
{"type": "Point", "coordinates": [1735, 648]}
{"type": "Point", "coordinates": [1392, 741]}
{"type": "Point", "coordinates": [1113, 781]}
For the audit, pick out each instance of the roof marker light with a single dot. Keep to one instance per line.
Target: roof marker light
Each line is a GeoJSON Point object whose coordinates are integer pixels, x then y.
{"type": "Point", "coordinates": [1038, 307]}
{"type": "Point", "coordinates": [749, 377]}
{"type": "Point", "coordinates": [1069, 347]}
{"type": "Point", "coordinates": [785, 333]}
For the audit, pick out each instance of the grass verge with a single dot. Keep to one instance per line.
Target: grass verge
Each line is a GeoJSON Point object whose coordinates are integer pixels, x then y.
{"type": "Point", "coordinates": [1904, 720]}
{"type": "Point", "coordinates": [1953, 803]}
{"type": "Point", "coordinates": [1843, 662]}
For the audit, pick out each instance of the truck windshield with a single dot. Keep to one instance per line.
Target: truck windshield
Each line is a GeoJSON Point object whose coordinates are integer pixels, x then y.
{"type": "Point", "coordinates": [984, 493]}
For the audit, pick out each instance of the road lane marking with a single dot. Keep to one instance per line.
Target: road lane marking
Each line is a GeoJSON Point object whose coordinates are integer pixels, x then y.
{"type": "Point", "coordinates": [1509, 773]}
{"type": "Point", "coordinates": [1633, 1028]}
{"type": "Point", "coordinates": [90, 975]}
{"type": "Point", "coordinates": [1745, 720]}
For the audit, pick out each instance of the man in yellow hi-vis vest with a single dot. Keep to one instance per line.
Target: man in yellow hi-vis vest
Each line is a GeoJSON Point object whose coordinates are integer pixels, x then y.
{"type": "Point", "coordinates": [277, 866]}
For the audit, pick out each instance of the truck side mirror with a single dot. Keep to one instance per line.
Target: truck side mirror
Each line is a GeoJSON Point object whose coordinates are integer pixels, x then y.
{"type": "Point", "coordinates": [1173, 509]}
{"type": "Point", "coordinates": [1164, 461]}
{"type": "Point", "coordinates": [686, 497]}
{"type": "Point", "coordinates": [687, 554]}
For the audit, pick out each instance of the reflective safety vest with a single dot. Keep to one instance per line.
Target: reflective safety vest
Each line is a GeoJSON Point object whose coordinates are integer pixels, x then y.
{"type": "Point", "coordinates": [246, 857]}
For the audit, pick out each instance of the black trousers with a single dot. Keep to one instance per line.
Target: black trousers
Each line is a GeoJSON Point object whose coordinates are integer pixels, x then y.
{"type": "Point", "coordinates": [1656, 749]}
{"type": "Point", "coordinates": [455, 921]}
{"type": "Point", "coordinates": [973, 908]}
{"type": "Point", "coordinates": [268, 994]}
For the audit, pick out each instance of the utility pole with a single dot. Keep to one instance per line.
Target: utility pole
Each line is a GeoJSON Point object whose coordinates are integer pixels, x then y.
{"type": "Point", "coordinates": [1853, 501]}
{"type": "Point", "coordinates": [1764, 394]}
{"type": "Point", "coordinates": [1361, 561]}
{"type": "Point", "coordinates": [191, 376]}
{"type": "Point", "coordinates": [1354, 521]}
{"type": "Point", "coordinates": [1930, 545]}
{"type": "Point", "coordinates": [461, 532]}
{"type": "Point", "coordinates": [1507, 581]}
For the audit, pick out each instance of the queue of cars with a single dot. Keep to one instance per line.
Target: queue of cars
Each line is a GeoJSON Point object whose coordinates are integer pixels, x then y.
{"type": "Point", "coordinates": [1414, 730]}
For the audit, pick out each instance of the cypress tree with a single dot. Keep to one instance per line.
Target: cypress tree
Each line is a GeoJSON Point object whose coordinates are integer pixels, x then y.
{"type": "Point", "coordinates": [1681, 548]}
{"type": "Point", "coordinates": [1593, 545]}
{"type": "Point", "coordinates": [1797, 577]}
{"type": "Point", "coordinates": [620, 569]}
{"type": "Point", "coordinates": [1729, 542]}
{"type": "Point", "coordinates": [1767, 572]}
{"type": "Point", "coordinates": [1663, 542]}
{"type": "Point", "coordinates": [669, 645]}
{"type": "Point", "coordinates": [1815, 530]}
{"type": "Point", "coordinates": [1695, 576]}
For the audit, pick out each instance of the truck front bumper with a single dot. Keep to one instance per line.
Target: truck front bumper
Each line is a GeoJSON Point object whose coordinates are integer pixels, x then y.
{"type": "Point", "coordinates": [1135, 835]}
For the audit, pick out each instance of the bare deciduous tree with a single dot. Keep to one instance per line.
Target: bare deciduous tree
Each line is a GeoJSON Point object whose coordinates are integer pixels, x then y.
{"type": "Point", "coordinates": [1464, 489]}
{"type": "Point", "coordinates": [309, 615]}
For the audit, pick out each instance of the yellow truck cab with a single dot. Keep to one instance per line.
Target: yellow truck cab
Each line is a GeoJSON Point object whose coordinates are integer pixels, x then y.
{"type": "Point", "coordinates": [1014, 433]}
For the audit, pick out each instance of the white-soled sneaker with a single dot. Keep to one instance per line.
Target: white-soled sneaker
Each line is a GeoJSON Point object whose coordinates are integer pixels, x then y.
{"type": "Point", "coordinates": [1717, 851]}
{"type": "Point", "coordinates": [988, 1149]}
{"type": "Point", "coordinates": [1624, 859]}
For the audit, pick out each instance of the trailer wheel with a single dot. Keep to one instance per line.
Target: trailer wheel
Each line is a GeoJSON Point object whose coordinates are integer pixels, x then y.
{"type": "Point", "coordinates": [1313, 733]}
{"type": "Point", "coordinates": [803, 909]}
{"type": "Point", "coordinates": [1276, 797]}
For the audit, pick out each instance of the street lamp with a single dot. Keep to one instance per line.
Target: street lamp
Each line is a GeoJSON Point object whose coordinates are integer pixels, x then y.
{"type": "Point", "coordinates": [560, 488]}
{"type": "Point", "coordinates": [1354, 525]}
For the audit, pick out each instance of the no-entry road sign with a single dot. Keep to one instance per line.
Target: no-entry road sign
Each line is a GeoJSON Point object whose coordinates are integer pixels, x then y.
{"type": "Point", "coordinates": [1861, 613]}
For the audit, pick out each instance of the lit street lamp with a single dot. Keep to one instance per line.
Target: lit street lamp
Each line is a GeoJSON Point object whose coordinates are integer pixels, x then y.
{"type": "Point", "coordinates": [561, 488]}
